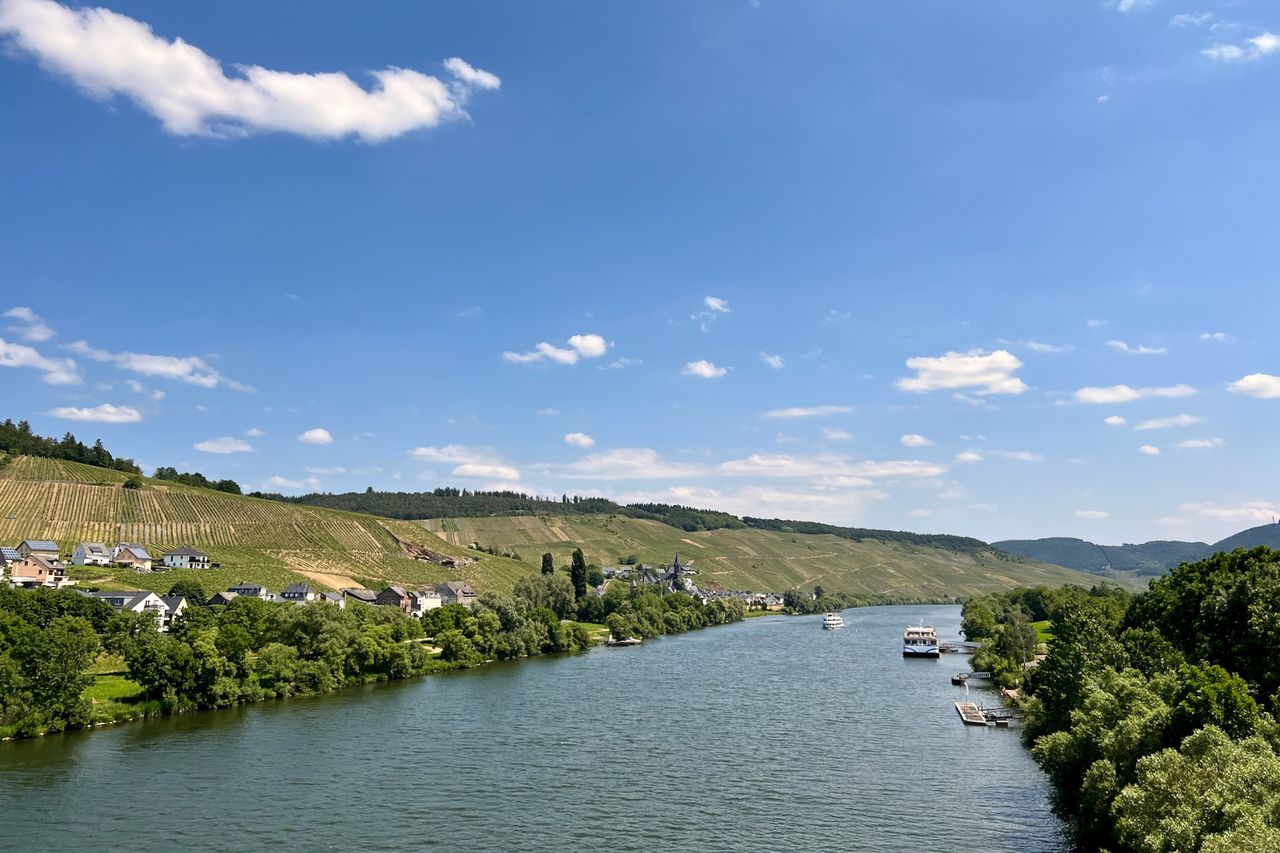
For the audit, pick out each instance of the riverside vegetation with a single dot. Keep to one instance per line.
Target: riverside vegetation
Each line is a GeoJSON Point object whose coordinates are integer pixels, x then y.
{"type": "Point", "coordinates": [251, 650]}
{"type": "Point", "coordinates": [1153, 714]}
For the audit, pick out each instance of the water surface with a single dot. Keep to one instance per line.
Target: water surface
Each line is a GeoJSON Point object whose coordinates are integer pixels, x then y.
{"type": "Point", "coordinates": [767, 735]}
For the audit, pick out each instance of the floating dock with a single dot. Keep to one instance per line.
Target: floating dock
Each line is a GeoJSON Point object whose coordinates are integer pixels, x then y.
{"type": "Point", "coordinates": [972, 715]}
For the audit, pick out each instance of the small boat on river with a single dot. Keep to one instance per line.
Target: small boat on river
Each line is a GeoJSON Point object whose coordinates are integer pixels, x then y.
{"type": "Point", "coordinates": [626, 641]}
{"type": "Point", "coordinates": [832, 622]}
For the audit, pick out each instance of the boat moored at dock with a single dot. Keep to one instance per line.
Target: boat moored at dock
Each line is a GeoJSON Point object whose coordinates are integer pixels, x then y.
{"type": "Point", "coordinates": [920, 641]}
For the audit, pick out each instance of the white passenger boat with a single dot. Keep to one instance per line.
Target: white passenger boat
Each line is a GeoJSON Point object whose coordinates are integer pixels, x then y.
{"type": "Point", "coordinates": [920, 641]}
{"type": "Point", "coordinates": [832, 621]}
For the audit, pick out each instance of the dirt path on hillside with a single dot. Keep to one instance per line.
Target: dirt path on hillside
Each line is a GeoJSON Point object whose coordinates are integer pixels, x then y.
{"type": "Point", "coordinates": [694, 544]}
{"type": "Point", "coordinates": [334, 582]}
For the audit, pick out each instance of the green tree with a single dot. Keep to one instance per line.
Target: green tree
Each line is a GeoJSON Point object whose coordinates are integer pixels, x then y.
{"type": "Point", "coordinates": [133, 482]}
{"type": "Point", "coordinates": [578, 573]}
{"type": "Point", "coordinates": [191, 590]}
{"type": "Point", "coordinates": [548, 564]}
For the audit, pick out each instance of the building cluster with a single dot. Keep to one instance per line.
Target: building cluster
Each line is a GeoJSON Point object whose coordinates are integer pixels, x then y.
{"type": "Point", "coordinates": [40, 562]}
{"type": "Point", "coordinates": [410, 602]}
{"type": "Point", "coordinates": [678, 576]}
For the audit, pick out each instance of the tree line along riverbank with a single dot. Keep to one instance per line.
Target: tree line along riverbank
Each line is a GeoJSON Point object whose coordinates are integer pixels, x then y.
{"type": "Point", "coordinates": [57, 648]}
{"type": "Point", "coordinates": [1153, 714]}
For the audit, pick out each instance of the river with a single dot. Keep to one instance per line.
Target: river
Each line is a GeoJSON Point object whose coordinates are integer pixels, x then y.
{"type": "Point", "coordinates": [767, 735]}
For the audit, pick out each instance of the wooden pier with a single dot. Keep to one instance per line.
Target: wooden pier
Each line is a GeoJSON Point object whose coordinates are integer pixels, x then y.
{"type": "Point", "coordinates": [972, 715]}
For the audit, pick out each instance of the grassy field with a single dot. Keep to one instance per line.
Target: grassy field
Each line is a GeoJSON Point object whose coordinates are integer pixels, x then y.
{"type": "Point", "coordinates": [267, 542]}
{"type": "Point", "coordinates": [759, 560]}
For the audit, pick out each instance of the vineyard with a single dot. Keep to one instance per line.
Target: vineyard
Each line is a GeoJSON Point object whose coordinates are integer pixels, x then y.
{"type": "Point", "coordinates": [257, 540]}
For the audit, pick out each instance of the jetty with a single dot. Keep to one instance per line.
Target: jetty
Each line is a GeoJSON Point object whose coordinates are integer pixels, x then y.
{"type": "Point", "coordinates": [972, 715]}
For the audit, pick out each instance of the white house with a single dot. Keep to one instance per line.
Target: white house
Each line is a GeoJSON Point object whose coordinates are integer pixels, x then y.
{"type": "Point", "coordinates": [186, 558]}
{"type": "Point", "coordinates": [421, 602]}
{"type": "Point", "coordinates": [299, 592]}
{"type": "Point", "coordinates": [137, 602]}
{"type": "Point", "coordinates": [132, 556]}
{"type": "Point", "coordinates": [174, 606]}
{"type": "Point", "coordinates": [91, 554]}
{"type": "Point", "coordinates": [253, 590]}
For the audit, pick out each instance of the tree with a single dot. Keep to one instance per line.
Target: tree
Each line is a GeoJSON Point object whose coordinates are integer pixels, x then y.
{"type": "Point", "coordinates": [548, 564]}
{"type": "Point", "coordinates": [578, 573]}
{"type": "Point", "coordinates": [133, 482]}
{"type": "Point", "coordinates": [552, 592]}
{"type": "Point", "coordinates": [818, 591]}
{"type": "Point", "coordinates": [1018, 639]}
{"type": "Point", "coordinates": [190, 590]}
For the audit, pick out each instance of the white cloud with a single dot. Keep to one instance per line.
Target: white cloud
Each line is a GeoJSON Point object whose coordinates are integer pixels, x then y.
{"type": "Point", "coordinates": [1170, 422]}
{"type": "Point", "coordinates": [832, 434]}
{"type": "Point", "coordinates": [190, 369]}
{"type": "Point", "coordinates": [1127, 6]}
{"type": "Point", "coordinates": [1091, 514]}
{"type": "Point", "coordinates": [580, 346]}
{"type": "Point", "coordinates": [774, 361]}
{"type": "Point", "coordinates": [989, 373]}
{"type": "Point", "coordinates": [57, 371]}
{"type": "Point", "coordinates": [476, 77]}
{"type": "Point", "coordinates": [912, 439]}
{"type": "Point", "coordinates": [318, 435]}
{"type": "Point", "coordinates": [1136, 350]}
{"type": "Point", "coordinates": [704, 369]}
{"type": "Point", "coordinates": [33, 328]}
{"type": "Point", "coordinates": [104, 414]}
{"type": "Point", "coordinates": [579, 439]}
{"type": "Point", "coordinates": [1096, 324]}
{"type": "Point", "coordinates": [455, 453]}
{"type": "Point", "coordinates": [138, 388]}
{"type": "Point", "coordinates": [479, 471]}
{"type": "Point", "coordinates": [807, 411]}
{"type": "Point", "coordinates": [1190, 19]}
{"type": "Point", "coordinates": [107, 54]}
{"type": "Point", "coordinates": [1252, 48]}
{"type": "Point", "coordinates": [621, 363]}
{"type": "Point", "coordinates": [1017, 455]}
{"type": "Point", "coordinates": [1260, 512]}
{"type": "Point", "coordinates": [1149, 450]}
{"type": "Point", "coordinates": [254, 432]}
{"type": "Point", "coordinates": [1037, 346]}
{"type": "Point", "coordinates": [628, 463]}
{"type": "Point", "coordinates": [831, 468]}
{"type": "Point", "coordinates": [1201, 443]}
{"type": "Point", "coordinates": [1126, 394]}
{"type": "Point", "coordinates": [968, 457]}
{"type": "Point", "coordinates": [226, 444]}
{"type": "Point", "coordinates": [548, 412]}
{"type": "Point", "coordinates": [1217, 337]}
{"type": "Point", "coordinates": [1264, 386]}
{"type": "Point", "coordinates": [278, 482]}
{"type": "Point", "coordinates": [1115, 420]}
{"type": "Point", "coordinates": [716, 304]}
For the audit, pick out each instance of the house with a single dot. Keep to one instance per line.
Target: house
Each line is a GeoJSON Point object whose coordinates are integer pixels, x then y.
{"type": "Point", "coordinates": [299, 593]}
{"type": "Point", "coordinates": [136, 602]}
{"type": "Point", "coordinates": [186, 558]}
{"type": "Point", "coordinates": [9, 556]}
{"type": "Point", "coordinates": [91, 554]}
{"type": "Point", "coordinates": [131, 555]}
{"type": "Point", "coordinates": [394, 596]}
{"type": "Point", "coordinates": [456, 592]}
{"type": "Point", "coordinates": [219, 598]}
{"type": "Point", "coordinates": [175, 606]}
{"type": "Point", "coordinates": [367, 596]}
{"type": "Point", "coordinates": [39, 547]}
{"type": "Point", "coordinates": [35, 570]}
{"type": "Point", "coordinates": [422, 601]}
{"type": "Point", "coordinates": [335, 598]}
{"type": "Point", "coordinates": [253, 590]}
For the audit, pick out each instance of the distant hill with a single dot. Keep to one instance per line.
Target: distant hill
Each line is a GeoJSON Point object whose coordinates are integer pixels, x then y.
{"type": "Point", "coordinates": [765, 559]}
{"type": "Point", "coordinates": [1145, 559]}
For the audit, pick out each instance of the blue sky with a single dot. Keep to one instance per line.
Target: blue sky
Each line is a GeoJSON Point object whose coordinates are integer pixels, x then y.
{"type": "Point", "coordinates": [999, 269]}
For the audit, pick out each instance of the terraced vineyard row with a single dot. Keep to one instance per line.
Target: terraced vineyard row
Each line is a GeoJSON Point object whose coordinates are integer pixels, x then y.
{"type": "Point", "coordinates": [40, 468]}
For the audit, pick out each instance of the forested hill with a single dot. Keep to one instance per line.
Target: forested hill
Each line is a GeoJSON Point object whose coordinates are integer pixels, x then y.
{"type": "Point", "coordinates": [462, 503]}
{"type": "Point", "coordinates": [1147, 558]}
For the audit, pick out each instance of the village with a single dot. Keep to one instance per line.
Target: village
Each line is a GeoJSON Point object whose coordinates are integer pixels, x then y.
{"type": "Point", "coordinates": [38, 563]}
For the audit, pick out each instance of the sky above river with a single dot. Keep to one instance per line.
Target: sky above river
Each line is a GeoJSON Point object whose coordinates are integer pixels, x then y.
{"type": "Point", "coordinates": [1001, 269]}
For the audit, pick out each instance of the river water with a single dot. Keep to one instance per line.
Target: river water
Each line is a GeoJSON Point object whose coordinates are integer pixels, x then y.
{"type": "Point", "coordinates": [767, 735]}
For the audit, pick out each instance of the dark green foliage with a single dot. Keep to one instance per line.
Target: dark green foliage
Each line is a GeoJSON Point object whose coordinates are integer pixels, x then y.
{"type": "Point", "coordinates": [133, 482]}
{"type": "Point", "coordinates": [1148, 752]}
{"type": "Point", "coordinates": [958, 544]}
{"type": "Point", "coordinates": [192, 478]}
{"type": "Point", "coordinates": [1150, 558]}
{"type": "Point", "coordinates": [42, 668]}
{"type": "Point", "coordinates": [548, 564]}
{"type": "Point", "coordinates": [190, 590]}
{"type": "Point", "coordinates": [578, 573]}
{"type": "Point", "coordinates": [643, 614]}
{"type": "Point", "coordinates": [18, 440]}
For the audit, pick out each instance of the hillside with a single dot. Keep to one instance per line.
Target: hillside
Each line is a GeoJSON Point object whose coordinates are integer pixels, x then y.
{"type": "Point", "coordinates": [1145, 559]}
{"type": "Point", "coordinates": [760, 559]}
{"type": "Point", "coordinates": [256, 540]}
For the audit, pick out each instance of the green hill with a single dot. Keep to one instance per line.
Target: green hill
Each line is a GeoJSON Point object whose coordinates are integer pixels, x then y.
{"type": "Point", "coordinates": [1264, 534]}
{"type": "Point", "coordinates": [256, 540]}
{"type": "Point", "coordinates": [760, 560]}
